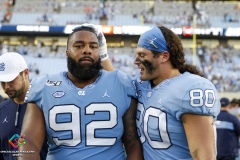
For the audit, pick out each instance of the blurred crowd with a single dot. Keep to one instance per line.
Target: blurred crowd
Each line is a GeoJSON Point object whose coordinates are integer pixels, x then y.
{"type": "Point", "coordinates": [9, 4]}
{"type": "Point", "coordinates": [153, 12]}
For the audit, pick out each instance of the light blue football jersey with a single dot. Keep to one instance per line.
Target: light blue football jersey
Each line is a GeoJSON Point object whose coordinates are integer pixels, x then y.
{"type": "Point", "coordinates": [160, 108]}
{"type": "Point", "coordinates": [84, 123]}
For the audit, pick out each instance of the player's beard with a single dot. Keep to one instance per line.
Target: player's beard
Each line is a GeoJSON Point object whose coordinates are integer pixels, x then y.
{"type": "Point", "coordinates": [16, 93]}
{"type": "Point", "coordinates": [149, 67]}
{"type": "Point", "coordinates": [84, 72]}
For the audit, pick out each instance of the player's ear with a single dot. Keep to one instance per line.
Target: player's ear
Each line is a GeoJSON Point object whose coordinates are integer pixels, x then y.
{"type": "Point", "coordinates": [67, 53]}
{"type": "Point", "coordinates": [165, 56]}
{"type": "Point", "coordinates": [26, 73]}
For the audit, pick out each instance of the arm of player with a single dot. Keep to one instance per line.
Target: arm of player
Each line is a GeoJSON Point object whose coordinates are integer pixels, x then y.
{"type": "Point", "coordinates": [103, 52]}
{"type": "Point", "coordinates": [131, 140]}
{"type": "Point", "coordinates": [200, 134]}
{"type": "Point", "coordinates": [107, 65]}
{"type": "Point", "coordinates": [33, 129]}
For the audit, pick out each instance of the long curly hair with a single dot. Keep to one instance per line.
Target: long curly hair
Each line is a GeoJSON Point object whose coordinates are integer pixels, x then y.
{"type": "Point", "coordinates": [175, 47]}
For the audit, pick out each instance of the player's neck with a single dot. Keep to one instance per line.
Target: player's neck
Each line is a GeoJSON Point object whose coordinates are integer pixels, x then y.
{"type": "Point", "coordinates": [224, 109]}
{"type": "Point", "coordinates": [81, 83]}
{"type": "Point", "coordinates": [166, 74]}
{"type": "Point", "coordinates": [20, 99]}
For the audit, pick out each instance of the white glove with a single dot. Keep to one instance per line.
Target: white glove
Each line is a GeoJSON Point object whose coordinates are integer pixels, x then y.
{"type": "Point", "coordinates": [103, 53]}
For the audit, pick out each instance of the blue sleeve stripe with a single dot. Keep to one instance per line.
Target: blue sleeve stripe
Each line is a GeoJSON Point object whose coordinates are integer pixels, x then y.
{"type": "Point", "coordinates": [225, 125]}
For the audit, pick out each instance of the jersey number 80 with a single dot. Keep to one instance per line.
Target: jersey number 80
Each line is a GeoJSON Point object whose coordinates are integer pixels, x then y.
{"type": "Point", "coordinates": [197, 98]}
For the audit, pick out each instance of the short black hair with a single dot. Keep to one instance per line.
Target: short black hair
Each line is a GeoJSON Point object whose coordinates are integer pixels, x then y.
{"type": "Point", "coordinates": [80, 28]}
{"type": "Point", "coordinates": [234, 101]}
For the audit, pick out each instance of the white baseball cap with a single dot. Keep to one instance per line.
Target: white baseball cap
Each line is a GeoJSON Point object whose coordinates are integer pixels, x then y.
{"type": "Point", "coordinates": [11, 64]}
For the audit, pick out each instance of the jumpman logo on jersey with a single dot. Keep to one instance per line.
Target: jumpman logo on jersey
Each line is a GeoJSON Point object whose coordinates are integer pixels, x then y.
{"type": "Point", "coordinates": [5, 120]}
{"type": "Point", "coordinates": [105, 94]}
{"type": "Point", "coordinates": [160, 101]}
{"type": "Point", "coordinates": [152, 42]}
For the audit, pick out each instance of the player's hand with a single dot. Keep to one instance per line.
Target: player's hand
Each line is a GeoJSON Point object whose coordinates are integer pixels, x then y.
{"type": "Point", "coordinates": [103, 53]}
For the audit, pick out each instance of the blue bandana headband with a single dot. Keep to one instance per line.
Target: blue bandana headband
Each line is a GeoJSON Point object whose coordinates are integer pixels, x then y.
{"type": "Point", "coordinates": [153, 39]}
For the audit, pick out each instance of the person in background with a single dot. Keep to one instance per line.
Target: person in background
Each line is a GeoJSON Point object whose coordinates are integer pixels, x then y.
{"type": "Point", "coordinates": [239, 108]}
{"type": "Point", "coordinates": [234, 104]}
{"type": "Point", "coordinates": [228, 132]}
{"type": "Point", "coordinates": [86, 112]}
{"type": "Point", "coordinates": [1, 99]}
{"type": "Point", "coordinates": [14, 78]}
